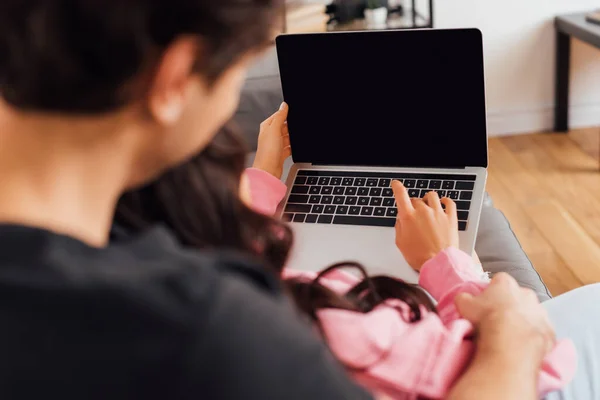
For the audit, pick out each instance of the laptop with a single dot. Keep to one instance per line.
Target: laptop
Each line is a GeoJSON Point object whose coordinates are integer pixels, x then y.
{"type": "Point", "coordinates": [370, 107]}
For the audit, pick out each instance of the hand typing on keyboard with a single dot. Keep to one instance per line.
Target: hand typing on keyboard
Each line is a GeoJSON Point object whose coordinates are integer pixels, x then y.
{"type": "Point", "coordinates": [274, 143]}
{"type": "Point", "coordinates": [423, 227]}
{"type": "Point", "coordinates": [366, 198]}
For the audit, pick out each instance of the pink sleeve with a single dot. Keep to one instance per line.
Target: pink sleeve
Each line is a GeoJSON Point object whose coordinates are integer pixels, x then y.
{"type": "Point", "coordinates": [446, 275]}
{"type": "Point", "coordinates": [388, 354]}
{"type": "Point", "coordinates": [266, 191]}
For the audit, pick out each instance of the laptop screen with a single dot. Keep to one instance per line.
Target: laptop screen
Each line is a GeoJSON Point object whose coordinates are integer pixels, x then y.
{"type": "Point", "coordinates": [388, 98]}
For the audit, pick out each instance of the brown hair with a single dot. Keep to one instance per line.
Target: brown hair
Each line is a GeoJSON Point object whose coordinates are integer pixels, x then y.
{"type": "Point", "coordinates": [81, 56]}
{"type": "Point", "coordinates": [199, 201]}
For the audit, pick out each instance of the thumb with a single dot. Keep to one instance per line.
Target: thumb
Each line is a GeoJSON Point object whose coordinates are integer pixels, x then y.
{"type": "Point", "coordinates": [467, 307]}
{"type": "Point", "coordinates": [281, 115]}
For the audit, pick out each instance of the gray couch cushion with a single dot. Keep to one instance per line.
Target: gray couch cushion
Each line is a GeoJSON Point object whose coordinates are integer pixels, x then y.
{"type": "Point", "coordinates": [497, 246]}
{"type": "Point", "coordinates": [500, 251]}
{"type": "Point", "coordinates": [261, 96]}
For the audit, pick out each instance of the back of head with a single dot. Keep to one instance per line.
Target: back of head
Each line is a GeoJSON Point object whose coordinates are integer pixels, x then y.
{"type": "Point", "coordinates": [81, 56]}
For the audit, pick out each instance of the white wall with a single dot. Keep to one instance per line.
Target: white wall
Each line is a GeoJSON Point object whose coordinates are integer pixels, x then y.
{"type": "Point", "coordinates": [519, 45]}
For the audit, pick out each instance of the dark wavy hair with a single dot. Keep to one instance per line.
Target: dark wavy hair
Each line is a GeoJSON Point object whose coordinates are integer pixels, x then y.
{"type": "Point", "coordinates": [200, 203]}
{"type": "Point", "coordinates": [84, 56]}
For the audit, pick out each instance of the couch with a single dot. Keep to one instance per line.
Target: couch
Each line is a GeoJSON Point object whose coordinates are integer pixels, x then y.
{"type": "Point", "coordinates": [497, 245]}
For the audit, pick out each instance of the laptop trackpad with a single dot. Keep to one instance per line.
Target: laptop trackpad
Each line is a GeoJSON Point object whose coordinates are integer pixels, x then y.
{"type": "Point", "coordinates": [318, 246]}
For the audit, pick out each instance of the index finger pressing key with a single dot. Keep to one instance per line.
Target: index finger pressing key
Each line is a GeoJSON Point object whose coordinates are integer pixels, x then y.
{"type": "Point", "coordinates": [402, 199]}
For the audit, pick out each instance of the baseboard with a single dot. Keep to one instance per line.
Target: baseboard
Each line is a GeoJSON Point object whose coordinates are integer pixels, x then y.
{"type": "Point", "coordinates": [540, 120]}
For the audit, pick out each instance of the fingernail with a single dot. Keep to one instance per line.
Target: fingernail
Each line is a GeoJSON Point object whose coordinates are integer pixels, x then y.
{"type": "Point", "coordinates": [282, 106]}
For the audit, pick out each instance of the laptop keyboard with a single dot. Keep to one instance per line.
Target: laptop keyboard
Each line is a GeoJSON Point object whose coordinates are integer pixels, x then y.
{"type": "Point", "coordinates": [366, 198]}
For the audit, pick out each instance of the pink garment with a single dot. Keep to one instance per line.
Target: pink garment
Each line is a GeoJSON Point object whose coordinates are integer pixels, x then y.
{"type": "Point", "coordinates": [402, 359]}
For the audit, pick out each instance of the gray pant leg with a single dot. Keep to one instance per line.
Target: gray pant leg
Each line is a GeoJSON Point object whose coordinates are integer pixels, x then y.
{"type": "Point", "coordinates": [576, 315]}
{"type": "Point", "coordinates": [500, 251]}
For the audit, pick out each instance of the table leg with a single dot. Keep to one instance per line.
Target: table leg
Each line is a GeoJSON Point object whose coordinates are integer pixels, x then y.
{"type": "Point", "coordinates": [431, 13]}
{"type": "Point", "coordinates": [563, 64]}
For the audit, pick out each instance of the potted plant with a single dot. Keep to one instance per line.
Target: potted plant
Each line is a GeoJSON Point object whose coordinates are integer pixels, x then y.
{"type": "Point", "coordinates": [376, 13]}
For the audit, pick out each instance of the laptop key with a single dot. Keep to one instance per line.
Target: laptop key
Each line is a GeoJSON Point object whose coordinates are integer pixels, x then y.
{"type": "Point", "coordinates": [465, 185]}
{"type": "Point", "coordinates": [311, 218]}
{"type": "Point", "coordinates": [462, 226]}
{"type": "Point", "coordinates": [300, 189]}
{"type": "Point", "coordinates": [315, 190]}
{"type": "Point", "coordinates": [422, 184]}
{"type": "Point", "coordinates": [379, 212]}
{"type": "Point", "coordinates": [318, 208]}
{"type": "Point", "coordinates": [364, 221]}
{"type": "Point", "coordinates": [366, 211]}
{"type": "Point", "coordinates": [392, 212]}
{"type": "Point", "coordinates": [463, 205]}
{"type": "Point", "coordinates": [327, 190]}
{"type": "Point", "coordinates": [424, 192]}
{"type": "Point", "coordinates": [338, 190]}
{"type": "Point", "coordinates": [384, 182]}
{"type": "Point", "coordinates": [312, 180]}
{"type": "Point", "coordinates": [363, 191]}
{"type": "Point", "coordinates": [351, 200]}
{"type": "Point", "coordinates": [463, 215]}
{"type": "Point", "coordinates": [441, 193]}
{"type": "Point", "coordinates": [466, 195]}
{"type": "Point", "coordinates": [375, 192]}
{"type": "Point", "coordinates": [298, 198]}
{"type": "Point", "coordinates": [376, 201]}
{"type": "Point", "coordinates": [389, 202]}
{"type": "Point", "coordinates": [329, 210]}
{"type": "Point", "coordinates": [298, 208]}
{"type": "Point", "coordinates": [342, 210]}
{"type": "Point", "coordinates": [435, 184]}
{"type": "Point", "coordinates": [453, 194]}
{"type": "Point", "coordinates": [354, 210]}
{"type": "Point", "coordinates": [338, 200]}
{"type": "Point", "coordinates": [351, 191]}
{"type": "Point", "coordinates": [410, 183]}
{"type": "Point", "coordinates": [326, 199]}
{"type": "Point", "coordinates": [348, 181]}
{"type": "Point", "coordinates": [325, 219]}
{"type": "Point", "coordinates": [414, 193]}
{"type": "Point", "coordinates": [360, 181]}
{"type": "Point", "coordinates": [336, 181]}
{"type": "Point", "coordinates": [363, 201]}
{"type": "Point", "coordinates": [299, 217]}
{"type": "Point", "coordinates": [300, 180]}
{"type": "Point", "coordinates": [314, 199]}
{"type": "Point", "coordinates": [448, 185]}
{"type": "Point", "coordinates": [288, 217]}
{"type": "Point", "coordinates": [387, 193]}
{"type": "Point", "coordinates": [324, 181]}
{"type": "Point", "coordinates": [372, 182]}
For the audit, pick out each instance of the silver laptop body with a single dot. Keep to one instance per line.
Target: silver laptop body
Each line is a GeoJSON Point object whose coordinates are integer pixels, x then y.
{"type": "Point", "coordinates": [369, 107]}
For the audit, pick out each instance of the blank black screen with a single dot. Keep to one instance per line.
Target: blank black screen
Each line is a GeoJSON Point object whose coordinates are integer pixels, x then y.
{"type": "Point", "coordinates": [390, 98]}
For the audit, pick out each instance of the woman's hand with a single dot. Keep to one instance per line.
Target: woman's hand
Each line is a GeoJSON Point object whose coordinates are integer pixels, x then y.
{"type": "Point", "coordinates": [274, 143]}
{"type": "Point", "coordinates": [423, 228]}
{"type": "Point", "coordinates": [509, 319]}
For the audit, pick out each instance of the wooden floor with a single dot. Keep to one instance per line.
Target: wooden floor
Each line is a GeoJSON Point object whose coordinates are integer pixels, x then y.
{"type": "Point", "coordinates": [548, 185]}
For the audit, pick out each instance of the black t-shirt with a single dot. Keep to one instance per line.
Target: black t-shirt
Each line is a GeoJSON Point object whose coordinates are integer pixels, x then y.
{"type": "Point", "coordinates": [145, 319]}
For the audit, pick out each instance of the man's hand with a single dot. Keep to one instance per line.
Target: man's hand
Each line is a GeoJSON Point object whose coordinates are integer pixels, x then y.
{"type": "Point", "coordinates": [513, 336]}
{"type": "Point", "coordinates": [508, 319]}
{"type": "Point", "coordinates": [423, 228]}
{"type": "Point", "coordinates": [273, 143]}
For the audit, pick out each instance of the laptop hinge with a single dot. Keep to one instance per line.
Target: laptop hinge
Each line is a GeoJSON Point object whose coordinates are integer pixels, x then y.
{"type": "Point", "coordinates": [382, 166]}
